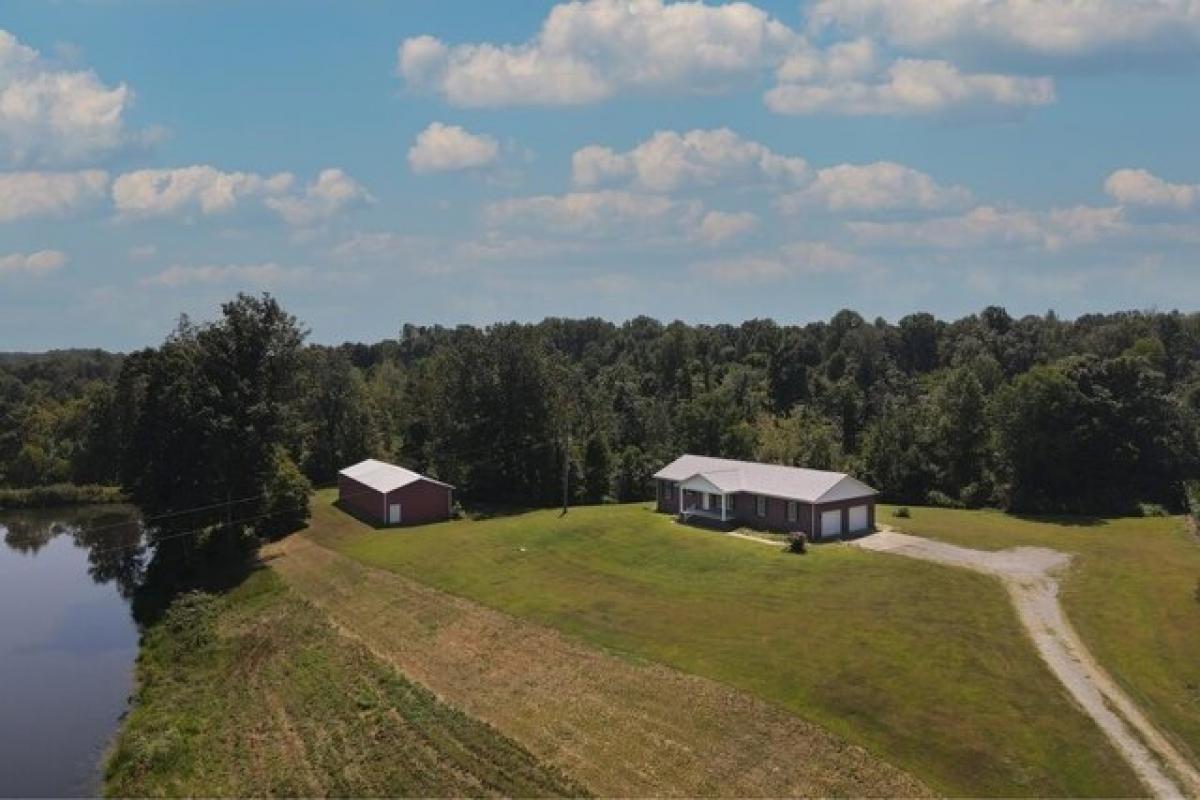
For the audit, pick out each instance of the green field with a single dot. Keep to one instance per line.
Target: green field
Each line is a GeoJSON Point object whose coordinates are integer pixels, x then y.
{"type": "Point", "coordinates": [255, 694]}
{"type": "Point", "coordinates": [1131, 593]}
{"type": "Point", "coordinates": [923, 665]}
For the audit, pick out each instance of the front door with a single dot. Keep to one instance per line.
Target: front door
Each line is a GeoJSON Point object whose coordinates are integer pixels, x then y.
{"type": "Point", "coordinates": [394, 514]}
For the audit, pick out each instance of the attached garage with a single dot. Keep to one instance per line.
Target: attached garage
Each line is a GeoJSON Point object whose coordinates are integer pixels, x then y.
{"type": "Point", "coordinates": [860, 519]}
{"type": "Point", "coordinates": [385, 494]}
{"type": "Point", "coordinates": [831, 523]}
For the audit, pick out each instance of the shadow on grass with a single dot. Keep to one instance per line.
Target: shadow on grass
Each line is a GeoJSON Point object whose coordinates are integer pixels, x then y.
{"type": "Point", "coordinates": [1069, 520]}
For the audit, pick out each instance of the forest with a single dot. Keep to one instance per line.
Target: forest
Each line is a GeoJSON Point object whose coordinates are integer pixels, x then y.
{"type": "Point", "coordinates": [1099, 414]}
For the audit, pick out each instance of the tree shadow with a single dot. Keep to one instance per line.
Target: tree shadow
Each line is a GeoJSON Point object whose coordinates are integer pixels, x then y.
{"type": "Point", "coordinates": [1066, 520]}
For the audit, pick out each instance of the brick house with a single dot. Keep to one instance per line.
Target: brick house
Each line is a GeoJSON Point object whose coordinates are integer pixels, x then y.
{"type": "Point", "coordinates": [731, 493]}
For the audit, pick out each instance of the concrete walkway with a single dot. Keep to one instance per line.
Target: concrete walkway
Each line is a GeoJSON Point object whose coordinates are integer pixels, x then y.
{"type": "Point", "coordinates": [1031, 576]}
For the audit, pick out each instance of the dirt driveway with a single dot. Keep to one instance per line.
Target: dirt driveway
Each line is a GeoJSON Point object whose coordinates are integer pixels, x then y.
{"type": "Point", "coordinates": [1031, 576]}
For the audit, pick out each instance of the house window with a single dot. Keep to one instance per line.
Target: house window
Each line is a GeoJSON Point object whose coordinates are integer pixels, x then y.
{"type": "Point", "coordinates": [791, 513]}
{"type": "Point", "coordinates": [730, 501]}
{"type": "Point", "coordinates": [760, 506]}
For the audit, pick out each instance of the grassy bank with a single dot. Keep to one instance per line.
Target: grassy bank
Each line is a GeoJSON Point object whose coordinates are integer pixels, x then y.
{"type": "Point", "coordinates": [1131, 595]}
{"type": "Point", "coordinates": [925, 666]}
{"type": "Point", "coordinates": [255, 694]}
{"type": "Point", "coordinates": [59, 494]}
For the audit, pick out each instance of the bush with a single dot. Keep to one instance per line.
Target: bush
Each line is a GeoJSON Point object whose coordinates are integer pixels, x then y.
{"type": "Point", "coordinates": [902, 512]}
{"type": "Point", "coordinates": [60, 494]}
{"type": "Point", "coordinates": [457, 511]}
{"type": "Point", "coordinates": [942, 500]}
{"type": "Point", "coordinates": [797, 542]}
{"type": "Point", "coordinates": [1152, 510]}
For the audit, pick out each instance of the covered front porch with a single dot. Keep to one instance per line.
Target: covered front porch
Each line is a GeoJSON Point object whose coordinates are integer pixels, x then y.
{"type": "Point", "coordinates": [703, 501]}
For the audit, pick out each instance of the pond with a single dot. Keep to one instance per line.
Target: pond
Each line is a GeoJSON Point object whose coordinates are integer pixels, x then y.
{"type": "Point", "coordinates": [67, 643]}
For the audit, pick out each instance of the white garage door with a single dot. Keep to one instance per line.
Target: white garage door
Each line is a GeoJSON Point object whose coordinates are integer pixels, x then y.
{"type": "Point", "coordinates": [858, 519]}
{"type": "Point", "coordinates": [831, 523]}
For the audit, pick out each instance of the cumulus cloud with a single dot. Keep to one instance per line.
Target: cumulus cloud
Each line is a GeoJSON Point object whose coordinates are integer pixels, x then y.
{"type": "Point", "coordinates": [1053, 29]}
{"type": "Point", "coordinates": [793, 259]}
{"type": "Point", "coordinates": [43, 262]}
{"type": "Point", "coordinates": [1138, 187]}
{"type": "Point", "coordinates": [880, 186]}
{"type": "Point", "coordinates": [199, 188]}
{"type": "Point", "coordinates": [331, 193]}
{"type": "Point", "coordinates": [209, 191]}
{"type": "Point", "coordinates": [51, 116]}
{"type": "Point", "coordinates": [442, 148]}
{"type": "Point", "coordinates": [987, 226]}
{"type": "Point", "coordinates": [585, 213]}
{"type": "Point", "coordinates": [268, 275]}
{"type": "Point", "coordinates": [718, 227]}
{"type": "Point", "coordinates": [668, 161]}
{"type": "Point", "coordinates": [906, 87]}
{"type": "Point", "coordinates": [33, 194]}
{"type": "Point", "coordinates": [587, 51]}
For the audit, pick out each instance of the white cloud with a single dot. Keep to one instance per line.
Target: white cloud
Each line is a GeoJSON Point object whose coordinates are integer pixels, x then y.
{"type": "Point", "coordinates": [906, 87]}
{"type": "Point", "coordinates": [585, 213]}
{"type": "Point", "coordinates": [32, 194]}
{"type": "Point", "coordinates": [669, 160]}
{"type": "Point", "coordinates": [441, 148]}
{"type": "Point", "coordinates": [50, 115]}
{"type": "Point", "coordinates": [1058, 29]}
{"type": "Point", "coordinates": [43, 262]}
{"type": "Point", "coordinates": [587, 51]}
{"type": "Point", "coordinates": [330, 194]}
{"type": "Point", "coordinates": [143, 252]}
{"type": "Point", "coordinates": [267, 275]}
{"type": "Point", "coordinates": [873, 187]}
{"type": "Point", "coordinates": [718, 227]}
{"type": "Point", "coordinates": [1138, 187]}
{"type": "Point", "coordinates": [161, 192]}
{"type": "Point", "coordinates": [209, 191]}
{"type": "Point", "coordinates": [986, 226]}
{"type": "Point", "coordinates": [796, 258]}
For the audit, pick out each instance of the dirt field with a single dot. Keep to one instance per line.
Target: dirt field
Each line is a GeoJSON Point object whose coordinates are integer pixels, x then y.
{"type": "Point", "coordinates": [617, 726]}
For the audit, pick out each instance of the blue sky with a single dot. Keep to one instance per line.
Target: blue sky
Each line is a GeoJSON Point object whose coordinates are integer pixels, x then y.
{"type": "Point", "coordinates": [373, 163]}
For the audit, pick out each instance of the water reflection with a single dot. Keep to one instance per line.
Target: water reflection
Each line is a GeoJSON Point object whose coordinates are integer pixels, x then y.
{"type": "Point", "coordinates": [112, 535]}
{"type": "Point", "coordinates": [68, 578]}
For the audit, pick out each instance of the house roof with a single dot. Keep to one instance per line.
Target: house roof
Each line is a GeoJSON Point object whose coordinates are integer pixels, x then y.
{"type": "Point", "coordinates": [791, 483]}
{"type": "Point", "coordinates": [384, 477]}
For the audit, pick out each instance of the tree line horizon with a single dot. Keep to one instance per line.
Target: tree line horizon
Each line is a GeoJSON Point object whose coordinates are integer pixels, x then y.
{"type": "Point", "coordinates": [1095, 415]}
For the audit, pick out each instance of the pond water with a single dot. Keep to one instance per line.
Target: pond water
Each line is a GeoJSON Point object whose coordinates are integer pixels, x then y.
{"type": "Point", "coordinates": [67, 643]}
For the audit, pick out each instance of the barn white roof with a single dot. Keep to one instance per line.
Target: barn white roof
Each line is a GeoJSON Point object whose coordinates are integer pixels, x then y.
{"type": "Point", "coordinates": [790, 483]}
{"type": "Point", "coordinates": [384, 477]}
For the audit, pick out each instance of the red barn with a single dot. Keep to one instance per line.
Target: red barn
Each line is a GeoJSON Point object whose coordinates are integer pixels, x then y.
{"type": "Point", "coordinates": [391, 495]}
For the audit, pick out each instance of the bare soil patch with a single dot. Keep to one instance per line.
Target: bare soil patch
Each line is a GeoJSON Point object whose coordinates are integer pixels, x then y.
{"type": "Point", "coordinates": [620, 727]}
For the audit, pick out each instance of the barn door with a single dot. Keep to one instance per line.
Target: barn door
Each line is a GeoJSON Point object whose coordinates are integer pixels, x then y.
{"type": "Point", "coordinates": [394, 514]}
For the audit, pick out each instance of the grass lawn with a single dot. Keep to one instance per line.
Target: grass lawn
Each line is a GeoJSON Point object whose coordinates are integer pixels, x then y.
{"type": "Point", "coordinates": [1130, 593]}
{"type": "Point", "coordinates": [925, 666]}
{"type": "Point", "coordinates": [254, 694]}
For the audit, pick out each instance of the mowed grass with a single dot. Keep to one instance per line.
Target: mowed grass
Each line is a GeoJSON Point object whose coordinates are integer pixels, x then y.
{"type": "Point", "coordinates": [1131, 593]}
{"type": "Point", "coordinates": [925, 666]}
{"type": "Point", "coordinates": [254, 694]}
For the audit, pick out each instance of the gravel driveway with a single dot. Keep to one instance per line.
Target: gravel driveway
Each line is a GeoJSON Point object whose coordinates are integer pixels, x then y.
{"type": "Point", "coordinates": [1030, 574]}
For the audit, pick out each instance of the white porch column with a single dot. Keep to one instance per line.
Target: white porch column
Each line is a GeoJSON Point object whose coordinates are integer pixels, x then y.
{"type": "Point", "coordinates": [723, 500]}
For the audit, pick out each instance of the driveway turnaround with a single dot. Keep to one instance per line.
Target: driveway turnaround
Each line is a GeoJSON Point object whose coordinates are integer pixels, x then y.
{"type": "Point", "coordinates": [1031, 576]}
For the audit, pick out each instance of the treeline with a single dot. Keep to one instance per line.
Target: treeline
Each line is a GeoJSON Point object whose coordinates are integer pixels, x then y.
{"type": "Point", "coordinates": [1094, 415]}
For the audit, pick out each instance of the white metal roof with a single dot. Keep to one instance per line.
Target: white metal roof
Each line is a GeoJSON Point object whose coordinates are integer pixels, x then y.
{"type": "Point", "coordinates": [384, 477]}
{"type": "Point", "coordinates": [792, 483]}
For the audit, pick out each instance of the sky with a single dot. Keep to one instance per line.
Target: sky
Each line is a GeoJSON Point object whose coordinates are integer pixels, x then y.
{"type": "Point", "coordinates": [373, 163]}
